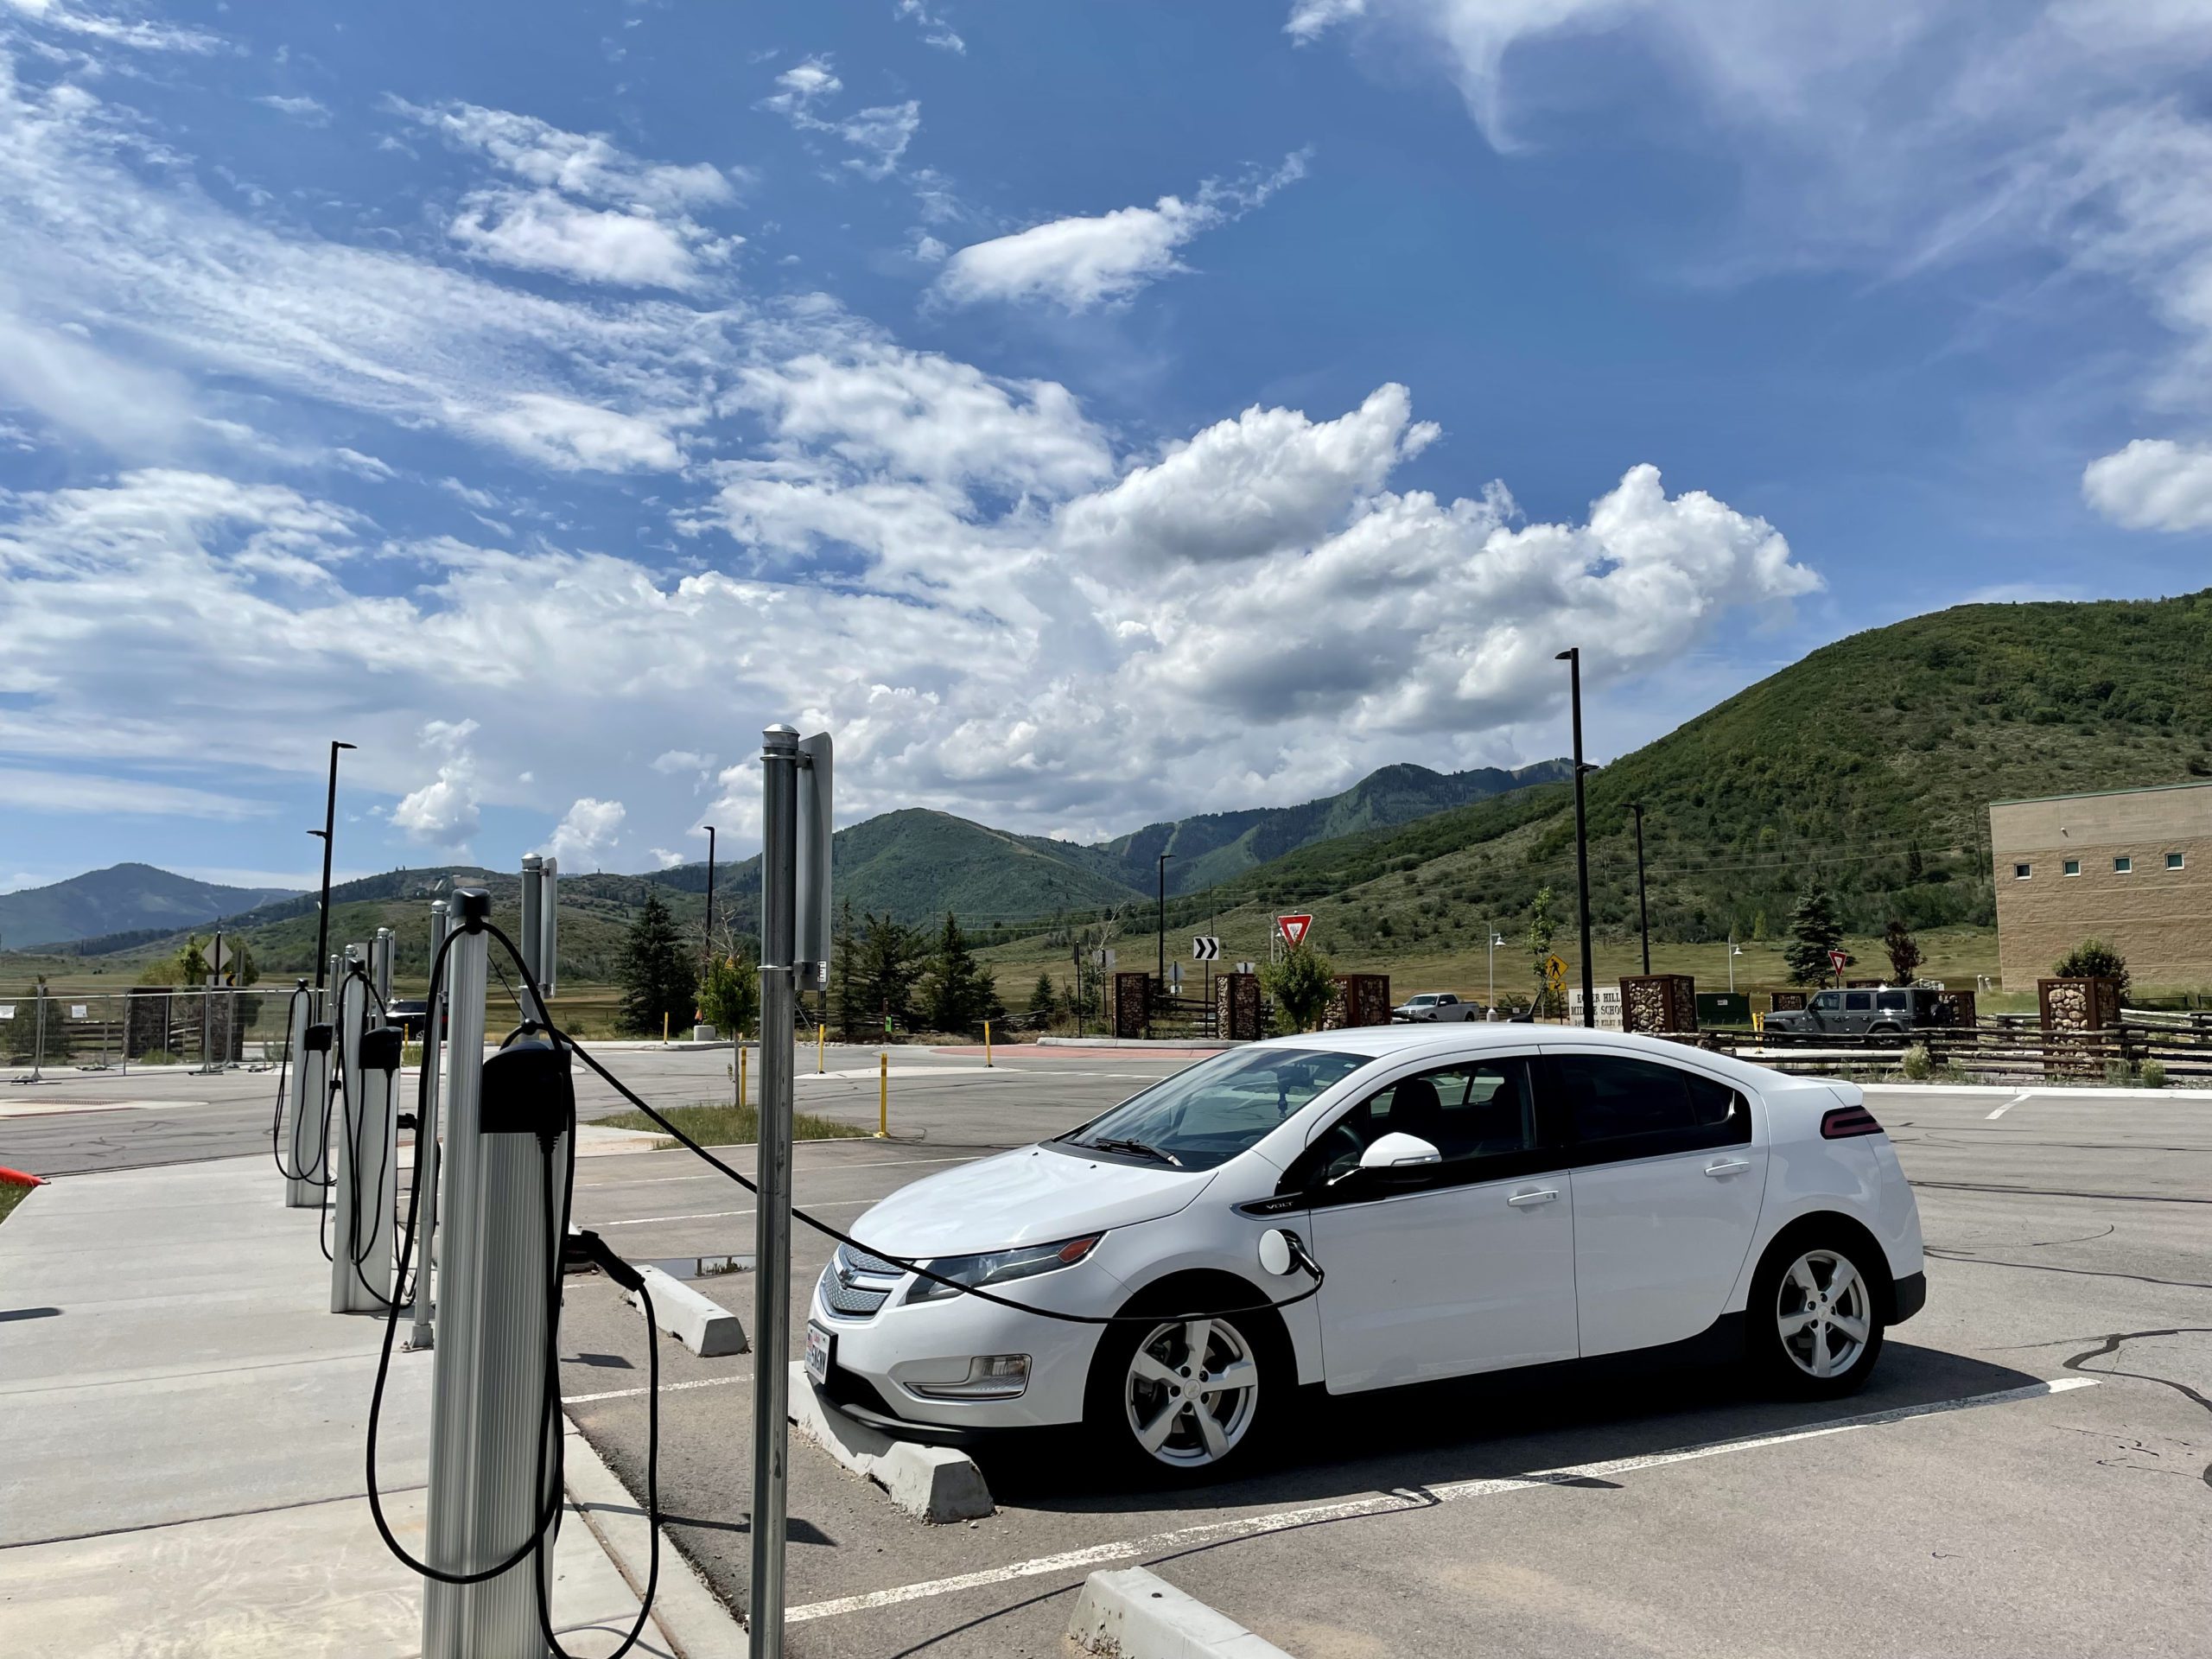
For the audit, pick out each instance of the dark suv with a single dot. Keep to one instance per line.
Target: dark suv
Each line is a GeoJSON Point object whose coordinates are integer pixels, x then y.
{"type": "Point", "coordinates": [1885, 1011]}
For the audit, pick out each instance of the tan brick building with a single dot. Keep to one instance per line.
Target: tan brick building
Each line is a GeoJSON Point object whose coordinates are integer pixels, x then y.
{"type": "Point", "coordinates": [2131, 867]}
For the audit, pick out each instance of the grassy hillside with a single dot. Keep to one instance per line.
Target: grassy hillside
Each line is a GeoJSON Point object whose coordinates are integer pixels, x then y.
{"type": "Point", "coordinates": [1872, 762]}
{"type": "Point", "coordinates": [123, 897]}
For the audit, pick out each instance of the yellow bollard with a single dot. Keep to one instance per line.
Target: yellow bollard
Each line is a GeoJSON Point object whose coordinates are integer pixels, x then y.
{"type": "Point", "coordinates": [821, 1046]}
{"type": "Point", "coordinates": [664, 1027]}
{"type": "Point", "coordinates": [987, 1042]}
{"type": "Point", "coordinates": [883, 1097]}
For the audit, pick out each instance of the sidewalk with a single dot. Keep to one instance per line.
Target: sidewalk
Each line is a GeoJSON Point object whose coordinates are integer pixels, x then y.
{"type": "Point", "coordinates": [183, 1422]}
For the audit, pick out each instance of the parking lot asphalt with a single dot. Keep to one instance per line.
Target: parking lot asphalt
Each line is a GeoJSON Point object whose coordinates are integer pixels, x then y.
{"type": "Point", "coordinates": [2029, 1473]}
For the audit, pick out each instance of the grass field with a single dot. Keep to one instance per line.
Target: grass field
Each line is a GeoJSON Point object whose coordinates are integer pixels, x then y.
{"type": "Point", "coordinates": [10, 1196]}
{"type": "Point", "coordinates": [726, 1125]}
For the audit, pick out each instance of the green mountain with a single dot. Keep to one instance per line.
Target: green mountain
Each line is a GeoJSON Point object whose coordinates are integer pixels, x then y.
{"type": "Point", "coordinates": [1871, 764]}
{"type": "Point", "coordinates": [122, 898]}
{"type": "Point", "coordinates": [1212, 847]}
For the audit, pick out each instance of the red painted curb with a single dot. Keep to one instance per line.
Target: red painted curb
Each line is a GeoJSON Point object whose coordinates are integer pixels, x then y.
{"type": "Point", "coordinates": [16, 1178]}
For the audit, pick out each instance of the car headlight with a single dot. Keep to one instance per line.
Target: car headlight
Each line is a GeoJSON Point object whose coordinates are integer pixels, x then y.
{"type": "Point", "coordinates": [999, 1267]}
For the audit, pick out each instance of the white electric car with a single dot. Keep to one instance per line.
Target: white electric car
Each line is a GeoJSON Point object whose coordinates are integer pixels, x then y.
{"type": "Point", "coordinates": [1475, 1198]}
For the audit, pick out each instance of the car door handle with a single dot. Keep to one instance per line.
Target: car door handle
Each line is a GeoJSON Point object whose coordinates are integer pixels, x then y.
{"type": "Point", "coordinates": [1544, 1195]}
{"type": "Point", "coordinates": [1728, 1167]}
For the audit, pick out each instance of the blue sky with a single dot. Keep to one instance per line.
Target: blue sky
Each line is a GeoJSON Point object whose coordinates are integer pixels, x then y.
{"type": "Point", "coordinates": [1090, 413]}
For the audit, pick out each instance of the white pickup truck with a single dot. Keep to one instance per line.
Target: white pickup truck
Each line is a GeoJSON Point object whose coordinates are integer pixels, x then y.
{"type": "Point", "coordinates": [1436, 1005]}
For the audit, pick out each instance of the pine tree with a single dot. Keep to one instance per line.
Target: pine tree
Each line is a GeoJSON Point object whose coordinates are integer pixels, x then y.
{"type": "Point", "coordinates": [852, 1011]}
{"type": "Point", "coordinates": [958, 994]}
{"type": "Point", "coordinates": [889, 960]}
{"type": "Point", "coordinates": [1814, 932]}
{"type": "Point", "coordinates": [658, 978]}
{"type": "Point", "coordinates": [1043, 1002]}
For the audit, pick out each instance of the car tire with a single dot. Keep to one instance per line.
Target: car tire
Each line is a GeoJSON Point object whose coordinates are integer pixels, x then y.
{"type": "Point", "coordinates": [1815, 1322]}
{"type": "Point", "coordinates": [1162, 1412]}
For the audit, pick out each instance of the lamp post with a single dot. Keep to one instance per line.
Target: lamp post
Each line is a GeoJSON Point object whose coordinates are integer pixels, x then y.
{"type": "Point", "coordinates": [1734, 951]}
{"type": "Point", "coordinates": [1643, 915]}
{"type": "Point", "coordinates": [1496, 939]}
{"type": "Point", "coordinates": [329, 825]}
{"type": "Point", "coordinates": [1162, 867]}
{"type": "Point", "coordinates": [1573, 658]}
{"type": "Point", "coordinates": [710, 893]}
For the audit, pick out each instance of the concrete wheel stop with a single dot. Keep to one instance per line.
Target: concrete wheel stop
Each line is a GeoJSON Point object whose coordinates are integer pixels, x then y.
{"type": "Point", "coordinates": [1133, 1614]}
{"type": "Point", "coordinates": [931, 1482]}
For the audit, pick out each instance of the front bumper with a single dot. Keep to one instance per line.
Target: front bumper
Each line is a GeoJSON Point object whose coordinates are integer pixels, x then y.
{"type": "Point", "coordinates": [875, 1357]}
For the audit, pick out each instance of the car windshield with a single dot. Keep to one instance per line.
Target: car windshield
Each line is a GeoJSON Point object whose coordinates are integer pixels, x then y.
{"type": "Point", "coordinates": [1204, 1116]}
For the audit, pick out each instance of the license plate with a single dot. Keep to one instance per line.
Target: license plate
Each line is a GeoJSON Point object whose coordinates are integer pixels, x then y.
{"type": "Point", "coordinates": [820, 1345]}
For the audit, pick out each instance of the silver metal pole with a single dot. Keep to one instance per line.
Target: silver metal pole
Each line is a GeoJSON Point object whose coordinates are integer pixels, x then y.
{"type": "Point", "coordinates": [421, 1335]}
{"type": "Point", "coordinates": [361, 1158]}
{"type": "Point", "coordinates": [304, 1148]}
{"type": "Point", "coordinates": [380, 959]}
{"type": "Point", "coordinates": [533, 920]}
{"type": "Point", "coordinates": [38, 1039]}
{"type": "Point", "coordinates": [295, 1033]}
{"type": "Point", "coordinates": [488, 1380]}
{"type": "Point", "coordinates": [773, 1218]}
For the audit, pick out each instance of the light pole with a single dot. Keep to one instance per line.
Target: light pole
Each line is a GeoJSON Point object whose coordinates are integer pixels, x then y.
{"type": "Point", "coordinates": [1734, 951]}
{"type": "Point", "coordinates": [1162, 866]}
{"type": "Point", "coordinates": [1642, 916]}
{"type": "Point", "coordinates": [1573, 658]}
{"type": "Point", "coordinates": [1496, 939]}
{"type": "Point", "coordinates": [710, 894]}
{"type": "Point", "coordinates": [329, 824]}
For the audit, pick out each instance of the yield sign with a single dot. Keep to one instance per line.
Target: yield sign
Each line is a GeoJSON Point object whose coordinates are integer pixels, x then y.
{"type": "Point", "coordinates": [1842, 959]}
{"type": "Point", "coordinates": [1292, 929]}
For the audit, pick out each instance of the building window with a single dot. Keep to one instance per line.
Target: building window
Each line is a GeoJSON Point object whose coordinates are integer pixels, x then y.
{"type": "Point", "coordinates": [2122, 865]}
{"type": "Point", "coordinates": [2072, 867]}
{"type": "Point", "coordinates": [2022, 872]}
{"type": "Point", "coordinates": [2173, 860]}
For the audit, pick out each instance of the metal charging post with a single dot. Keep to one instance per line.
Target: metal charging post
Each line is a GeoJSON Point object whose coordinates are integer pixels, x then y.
{"type": "Point", "coordinates": [305, 1147]}
{"type": "Point", "coordinates": [420, 1334]}
{"type": "Point", "coordinates": [533, 908]}
{"type": "Point", "coordinates": [488, 1420]}
{"type": "Point", "coordinates": [794, 950]}
{"type": "Point", "coordinates": [287, 1121]}
{"type": "Point", "coordinates": [365, 1156]}
{"type": "Point", "coordinates": [380, 965]}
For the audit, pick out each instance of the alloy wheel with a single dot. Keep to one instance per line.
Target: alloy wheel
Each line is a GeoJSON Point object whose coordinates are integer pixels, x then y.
{"type": "Point", "coordinates": [1190, 1390]}
{"type": "Point", "coordinates": [1824, 1314]}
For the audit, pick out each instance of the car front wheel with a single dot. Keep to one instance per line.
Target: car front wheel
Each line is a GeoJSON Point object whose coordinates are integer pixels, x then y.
{"type": "Point", "coordinates": [1816, 1320]}
{"type": "Point", "coordinates": [1185, 1399]}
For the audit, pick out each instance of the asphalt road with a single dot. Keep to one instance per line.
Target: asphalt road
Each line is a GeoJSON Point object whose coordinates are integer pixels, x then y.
{"type": "Point", "coordinates": [2068, 1245]}
{"type": "Point", "coordinates": [2030, 1471]}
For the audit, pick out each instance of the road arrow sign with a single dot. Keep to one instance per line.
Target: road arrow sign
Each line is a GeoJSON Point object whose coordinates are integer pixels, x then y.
{"type": "Point", "coordinates": [1206, 948]}
{"type": "Point", "coordinates": [1292, 929]}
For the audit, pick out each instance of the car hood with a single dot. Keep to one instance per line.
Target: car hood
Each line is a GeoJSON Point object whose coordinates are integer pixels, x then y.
{"type": "Point", "coordinates": [1032, 1196]}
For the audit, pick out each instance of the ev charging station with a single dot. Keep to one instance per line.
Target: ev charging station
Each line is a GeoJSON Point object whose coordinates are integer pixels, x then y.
{"type": "Point", "coordinates": [366, 1161]}
{"type": "Point", "coordinates": [299, 1126]}
{"type": "Point", "coordinates": [421, 1334]}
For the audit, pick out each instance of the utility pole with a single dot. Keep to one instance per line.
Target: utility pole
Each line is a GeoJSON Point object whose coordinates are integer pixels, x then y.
{"type": "Point", "coordinates": [329, 825]}
{"type": "Point", "coordinates": [1496, 939]}
{"type": "Point", "coordinates": [710, 894]}
{"type": "Point", "coordinates": [1573, 658]}
{"type": "Point", "coordinates": [1643, 915]}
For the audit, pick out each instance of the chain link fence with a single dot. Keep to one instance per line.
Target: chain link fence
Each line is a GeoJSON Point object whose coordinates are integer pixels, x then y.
{"type": "Point", "coordinates": [151, 1027]}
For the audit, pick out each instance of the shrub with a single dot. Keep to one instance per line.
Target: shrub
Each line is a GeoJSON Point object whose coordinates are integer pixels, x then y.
{"type": "Point", "coordinates": [2092, 959]}
{"type": "Point", "coordinates": [1918, 1064]}
{"type": "Point", "coordinates": [2154, 1074]}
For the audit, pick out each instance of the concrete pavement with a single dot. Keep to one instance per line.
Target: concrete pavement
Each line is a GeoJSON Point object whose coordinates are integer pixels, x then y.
{"type": "Point", "coordinates": [183, 1427]}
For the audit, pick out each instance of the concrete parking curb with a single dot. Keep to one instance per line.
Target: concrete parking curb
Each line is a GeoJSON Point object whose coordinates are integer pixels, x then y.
{"type": "Point", "coordinates": [703, 1325]}
{"type": "Point", "coordinates": [692, 1617]}
{"type": "Point", "coordinates": [934, 1483]}
{"type": "Point", "coordinates": [1138, 1615]}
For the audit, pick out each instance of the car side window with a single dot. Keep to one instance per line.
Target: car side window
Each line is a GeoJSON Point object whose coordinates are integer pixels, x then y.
{"type": "Point", "coordinates": [1892, 1002]}
{"type": "Point", "coordinates": [1479, 1115]}
{"type": "Point", "coordinates": [1622, 1108]}
{"type": "Point", "coordinates": [1827, 1001]}
{"type": "Point", "coordinates": [1858, 1002]}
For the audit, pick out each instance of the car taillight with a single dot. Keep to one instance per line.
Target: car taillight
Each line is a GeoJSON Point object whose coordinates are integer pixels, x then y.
{"type": "Point", "coordinates": [1847, 1121]}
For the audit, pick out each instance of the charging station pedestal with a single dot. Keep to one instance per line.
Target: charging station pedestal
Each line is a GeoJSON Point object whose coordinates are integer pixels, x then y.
{"type": "Point", "coordinates": [302, 1144]}
{"type": "Point", "coordinates": [361, 1232]}
{"type": "Point", "coordinates": [490, 1429]}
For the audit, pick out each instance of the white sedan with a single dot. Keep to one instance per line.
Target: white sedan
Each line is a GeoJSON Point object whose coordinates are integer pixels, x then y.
{"type": "Point", "coordinates": [1474, 1198]}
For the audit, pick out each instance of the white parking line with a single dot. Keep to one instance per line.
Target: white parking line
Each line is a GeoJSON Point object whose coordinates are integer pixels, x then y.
{"type": "Point", "coordinates": [2007, 1107]}
{"type": "Point", "coordinates": [665, 1387]}
{"type": "Point", "coordinates": [1426, 1497]}
{"type": "Point", "coordinates": [723, 1214]}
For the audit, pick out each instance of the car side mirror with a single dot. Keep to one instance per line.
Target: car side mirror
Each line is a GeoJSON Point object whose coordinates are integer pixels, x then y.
{"type": "Point", "coordinates": [1396, 1151]}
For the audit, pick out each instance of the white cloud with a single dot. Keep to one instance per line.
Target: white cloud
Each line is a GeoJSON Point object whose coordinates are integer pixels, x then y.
{"type": "Point", "coordinates": [538, 230]}
{"type": "Point", "coordinates": [313, 111]}
{"type": "Point", "coordinates": [588, 166]}
{"type": "Point", "coordinates": [666, 858]}
{"type": "Point", "coordinates": [29, 790]}
{"type": "Point", "coordinates": [561, 433]}
{"type": "Point", "coordinates": [680, 761]}
{"type": "Point", "coordinates": [1310, 18]}
{"type": "Point", "coordinates": [2153, 483]}
{"type": "Point", "coordinates": [590, 829]}
{"type": "Point", "coordinates": [1080, 263]}
{"type": "Point", "coordinates": [143, 36]}
{"type": "Point", "coordinates": [444, 813]}
{"type": "Point", "coordinates": [936, 31]}
{"type": "Point", "coordinates": [880, 134]}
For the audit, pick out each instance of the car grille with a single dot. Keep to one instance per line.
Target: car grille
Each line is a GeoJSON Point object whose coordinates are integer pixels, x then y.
{"type": "Point", "coordinates": [856, 1284]}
